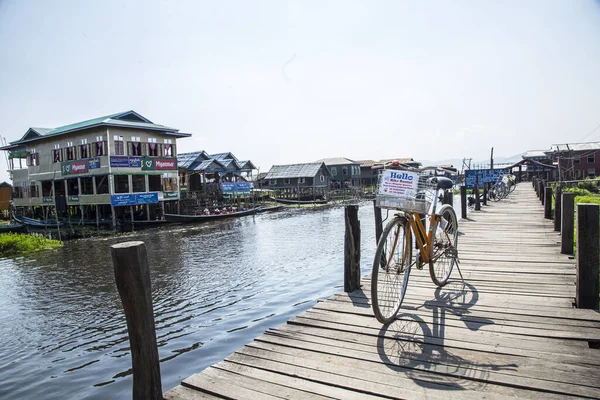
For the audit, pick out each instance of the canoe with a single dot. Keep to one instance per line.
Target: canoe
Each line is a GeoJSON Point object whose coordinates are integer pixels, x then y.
{"type": "Point", "coordinates": [36, 222]}
{"type": "Point", "coordinates": [291, 201]}
{"type": "Point", "coordinates": [13, 228]}
{"type": "Point", "coordinates": [203, 218]}
{"type": "Point", "coordinates": [268, 209]}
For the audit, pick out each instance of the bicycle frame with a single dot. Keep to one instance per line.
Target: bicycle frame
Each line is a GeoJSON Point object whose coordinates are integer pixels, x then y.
{"type": "Point", "coordinates": [424, 237]}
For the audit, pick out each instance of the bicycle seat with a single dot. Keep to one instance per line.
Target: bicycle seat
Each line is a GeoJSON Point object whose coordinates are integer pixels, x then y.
{"type": "Point", "coordinates": [442, 182]}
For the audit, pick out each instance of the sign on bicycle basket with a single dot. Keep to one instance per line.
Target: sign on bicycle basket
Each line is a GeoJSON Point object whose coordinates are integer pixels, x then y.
{"type": "Point", "coordinates": [398, 183]}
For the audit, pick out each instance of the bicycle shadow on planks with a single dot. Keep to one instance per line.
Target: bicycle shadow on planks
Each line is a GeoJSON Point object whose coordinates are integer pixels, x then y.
{"type": "Point", "coordinates": [415, 342]}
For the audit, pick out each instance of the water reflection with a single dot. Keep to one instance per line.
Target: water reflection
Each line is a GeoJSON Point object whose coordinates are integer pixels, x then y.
{"type": "Point", "coordinates": [215, 287]}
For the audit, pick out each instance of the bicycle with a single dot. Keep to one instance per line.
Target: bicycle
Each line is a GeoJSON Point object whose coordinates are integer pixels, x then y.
{"type": "Point", "coordinates": [411, 193]}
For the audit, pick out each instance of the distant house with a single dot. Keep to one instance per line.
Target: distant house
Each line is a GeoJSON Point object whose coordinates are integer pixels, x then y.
{"type": "Point", "coordinates": [344, 172]}
{"type": "Point", "coordinates": [198, 168]}
{"type": "Point", "coordinates": [538, 163]}
{"type": "Point", "coordinates": [576, 160]}
{"type": "Point", "coordinates": [298, 177]}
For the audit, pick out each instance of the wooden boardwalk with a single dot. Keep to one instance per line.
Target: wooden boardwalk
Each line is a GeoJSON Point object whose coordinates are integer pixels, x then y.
{"type": "Point", "coordinates": [508, 331]}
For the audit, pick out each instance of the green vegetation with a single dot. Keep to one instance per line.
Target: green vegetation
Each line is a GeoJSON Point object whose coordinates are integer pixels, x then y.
{"type": "Point", "coordinates": [16, 243]}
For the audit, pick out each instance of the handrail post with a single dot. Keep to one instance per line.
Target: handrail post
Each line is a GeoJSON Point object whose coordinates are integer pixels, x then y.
{"type": "Point", "coordinates": [476, 191]}
{"type": "Point", "coordinates": [548, 202]}
{"type": "Point", "coordinates": [132, 276]}
{"type": "Point", "coordinates": [463, 202]}
{"type": "Point", "coordinates": [588, 256]}
{"type": "Point", "coordinates": [557, 207]}
{"type": "Point", "coordinates": [567, 223]}
{"type": "Point", "coordinates": [351, 249]}
{"type": "Point", "coordinates": [542, 191]}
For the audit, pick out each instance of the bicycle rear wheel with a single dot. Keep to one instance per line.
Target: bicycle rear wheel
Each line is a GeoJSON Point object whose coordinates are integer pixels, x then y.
{"type": "Point", "coordinates": [444, 247]}
{"type": "Point", "coordinates": [391, 268]}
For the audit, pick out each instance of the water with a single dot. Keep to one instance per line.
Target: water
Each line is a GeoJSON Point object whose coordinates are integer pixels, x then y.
{"type": "Point", "coordinates": [216, 286]}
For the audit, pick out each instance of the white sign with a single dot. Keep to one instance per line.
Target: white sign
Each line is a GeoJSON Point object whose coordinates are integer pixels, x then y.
{"type": "Point", "coordinates": [398, 183]}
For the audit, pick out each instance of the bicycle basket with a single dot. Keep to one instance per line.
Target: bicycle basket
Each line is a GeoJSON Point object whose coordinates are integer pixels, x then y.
{"type": "Point", "coordinates": [404, 190]}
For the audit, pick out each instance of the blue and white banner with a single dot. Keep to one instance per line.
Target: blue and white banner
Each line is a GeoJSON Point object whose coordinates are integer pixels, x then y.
{"type": "Point", "coordinates": [485, 176]}
{"type": "Point", "coordinates": [237, 187]}
{"type": "Point", "coordinates": [133, 199]}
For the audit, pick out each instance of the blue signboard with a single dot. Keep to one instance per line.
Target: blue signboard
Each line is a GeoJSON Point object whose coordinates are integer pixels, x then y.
{"type": "Point", "coordinates": [133, 199]}
{"type": "Point", "coordinates": [93, 163]}
{"type": "Point", "coordinates": [485, 176]}
{"type": "Point", "coordinates": [125, 162]}
{"type": "Point", "coordinates": [240, 187]}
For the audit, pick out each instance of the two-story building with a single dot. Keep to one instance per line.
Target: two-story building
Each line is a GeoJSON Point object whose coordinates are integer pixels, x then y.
{"type": "Point", "coordinates": [344, 172]}
{"type": "Point", "coordinates": [102, 168]}
{"type": "Point", "coordinates": [576, 161]}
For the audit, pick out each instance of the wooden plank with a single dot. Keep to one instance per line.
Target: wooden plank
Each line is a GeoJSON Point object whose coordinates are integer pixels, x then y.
{"type": "Point", "coordinates": [509, 332]}
{"type": "Point", "coordinates": [184, 393]}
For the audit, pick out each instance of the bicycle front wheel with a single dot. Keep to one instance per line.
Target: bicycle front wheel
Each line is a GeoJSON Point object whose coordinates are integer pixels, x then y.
{"type": "Point", "coordinates": [444, 247]}
{"type": "Point", "coordinates": [391, 269]}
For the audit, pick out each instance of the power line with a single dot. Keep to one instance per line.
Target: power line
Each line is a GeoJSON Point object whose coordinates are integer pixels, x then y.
{"type": "Point", "coordinates": [593, 130]}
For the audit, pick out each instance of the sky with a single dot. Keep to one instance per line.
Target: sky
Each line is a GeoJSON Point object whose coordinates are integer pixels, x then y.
{"type": "Point", "coordinates": [281, 82]}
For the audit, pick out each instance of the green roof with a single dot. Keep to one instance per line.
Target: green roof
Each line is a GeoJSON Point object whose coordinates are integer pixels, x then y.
{"type": "Point", "coordinates": [127, 119]}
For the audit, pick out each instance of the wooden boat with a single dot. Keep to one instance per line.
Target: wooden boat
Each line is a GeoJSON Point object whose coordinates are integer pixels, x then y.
{"type": "Point", "coordinates": [202, 218]}
{"type": "Point", "coordinates": [36, 223]}
{"type": "Point", "coordinates": [291, 201]}
{"type": "Point", "coordinates": [269, 209]}
{"type": "Point", "coordinates": [13, 228]}
{"type": "Point", "coordinates": [126, 225]}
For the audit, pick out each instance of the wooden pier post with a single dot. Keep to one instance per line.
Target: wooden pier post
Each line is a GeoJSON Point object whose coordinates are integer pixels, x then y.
{"type": "Point", "coordinates": [567, 223]}
{"type": "Point", "coordinates": [588, 256]}
{"type": "Point", "coordinates": [378, 221]}
{"type": "Point", "coordinates": [352, 249]}
{"type": "Point", "coordinates": [542, 191]}
{"type": "Point", "coordinates": [476, 191]}
{"type": "Point", "coordinates": [132, 276]}
{"type": "Point", "coordinates": [463, 202]}
{"type": "Point", "coordinates": [557, 207]}
{"type": "Point", "coordinates": [485, 193]}
{"type": "Point", "coordinates": [548, 202]}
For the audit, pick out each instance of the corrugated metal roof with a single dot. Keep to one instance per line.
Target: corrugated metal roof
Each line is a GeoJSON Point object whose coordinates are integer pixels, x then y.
{"type": "Point", "coordinates": [185, 160]}
{"type": "Point", "coordinates": [294, 170]}
{"type": "Point", "coordinates": [41, 131]}
{"type": "Point", "coordinates": [209, 166]}
{"type": "Point", "coordinates": [228, 163]}
{"type": "Point", "coordinates": [366, 163]}
{"type": "Point", "coordinates": [577, 146]}
{"type": "Point", "coordinates": [535, 153]}
{"type": "Point", "coordinates": [400, 160]}
{"type": "Point", "coordinates": [336, 161]}
{"type": "Point", "coordinates": [247, 165]}
{"type": "Point", "coordinates": [223, 156]}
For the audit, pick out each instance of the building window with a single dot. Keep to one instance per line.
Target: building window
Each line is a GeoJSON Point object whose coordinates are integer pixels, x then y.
{"type": "Point", "coordinates": [576, 160]}
{"type": "Point", "coordinates": [286, 181]}
{"type": "Point", "coordinates": [84, 151]}
{"type": "Point", "coordinates": [87, 185]}
{"type": "Point", "coordinates": [592, 158]}
{"type": "Point", "coordinates": [333, 171]}
{"type": "Point", "coordinates": [33, 159]}
{"type": "Point", "coordinates": [302, 180]}
{"type": "Point", "coordinates": [33, 190]}
{"type": "Point", "coordinates": [272, 182]}
{"type": "Point", "coordinates": [154, 183]}
{"type": "Point", "coordinates": [119, 146]}
{"type": "Point", "coordinates": [70, 151]}
{"type": "Point", "coordinates": [153, 148]}
{"type": "Point", "coordinates": [73, 185]}
{"type": "Point", "coordinates": [591, 172]}
{"type": "Point", "coordinates": [135, 146]}
{"type": "Point", "coordinates": [344, 171]}
{"type": "Point", "coordinates": [57, 155]}
{"type": "Point", "coordinates": [101, 184]}
{"type": "Point", "coordinates": [169, 182]}
{"type": "Point", "coordinates": [322, 178]}
{"type": "Point", "coordinates": [168, 150]}
{"type": "Point", "coordinates": [121, 183]}
{"type": "Point", "coordinates": [139, 183]}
